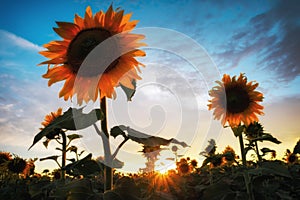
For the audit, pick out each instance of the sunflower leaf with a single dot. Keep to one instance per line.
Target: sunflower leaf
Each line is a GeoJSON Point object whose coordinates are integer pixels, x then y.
{"type": "Point", "coordinates": [85, 167]}
{"type": "Point", "coordinates": [129, 91]}
{"type": "Point", "coordinates": [143, 138]}
{"type": "Point", "coordinates": [72, 149]}
{"type": "Point", "coordinates": [267, 137]}
{"type": "Point", "coordinates": [238, 130]}
{"type": "Point", "coordinates": [72, 119]}
{"type": "Point", "coordinates": [297, 148]}
{"type": "Point", "coordinates": [45, 143]}
{"type": "Point", "coordinates": [267, 150]}
{"type": "Point", "coordinates": [49, 158]}
{"type": "Point", "coordinates": [74, 136]}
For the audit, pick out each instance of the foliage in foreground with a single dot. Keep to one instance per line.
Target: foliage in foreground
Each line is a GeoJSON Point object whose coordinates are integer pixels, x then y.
{"type": "Point", "coordinates": [269, 179]}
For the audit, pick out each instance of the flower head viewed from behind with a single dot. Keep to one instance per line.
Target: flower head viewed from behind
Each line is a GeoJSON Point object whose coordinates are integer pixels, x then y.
{"type": "Point", "coordinates": [235, 100]}
{"type": "Point", "coordinates": [50, 117]}
{"type": "Point", "coordinates": [47, 121]}
{"type": "Point", "coordinates": [115, 64]}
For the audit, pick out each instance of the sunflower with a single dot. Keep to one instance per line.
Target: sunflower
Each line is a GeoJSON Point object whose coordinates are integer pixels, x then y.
{"type": "Point", "coordinates": [51, 117]}
{"type": "Point", "coordinates": [235, 100]}
{"type": "Point", "coordinates": [254, 130]}
{"type": "Point", "coordinates": [48, 120]}
{"type": "Point", "coordinates": [229, 155]}
{"type": "Point", "coordinates": [111, 66]}
{"type": "Point", "coordinates": [4, 157]}
{"type": "Point", "coordinates": [17, 165]}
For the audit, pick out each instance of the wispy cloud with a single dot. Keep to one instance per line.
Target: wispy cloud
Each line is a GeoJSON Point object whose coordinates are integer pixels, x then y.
{"type": "Point", "coordinates": [18, 41]}
{"type": "Point", "coordinates": [273, 37]}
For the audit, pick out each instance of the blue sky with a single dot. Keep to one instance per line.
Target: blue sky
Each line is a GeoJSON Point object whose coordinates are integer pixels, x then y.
{"type": "Point", "coordinates": [259, 38]}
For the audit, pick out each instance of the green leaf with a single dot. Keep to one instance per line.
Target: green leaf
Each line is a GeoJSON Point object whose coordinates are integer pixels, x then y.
{"type": "Point", "coordinates": [238, 130]}
{"type": "Point", "coordinates": [46, 142]}
{"type": "Point", "coordinates": [145, 139]}
{"type": "Point", "coordinates": [297, 148]}
{"type": "Point", "coordinates": [49, 158]}
{"type": "Point", "coordinates": [72, 149]}
{"type": "Point", "coordinates": [115, 131]}
{"type": "Point", "coordinates": [267, 137]}
{"type": "Point", "coordinates": [266, 150]}
{"type": "Point", "coordinates": [85, 167]}
{"type": "Point", "coordinates": [128, 91]}
{"type": "Point", "coordinates": [72, 119]}
{"type": "Point", "coordinates": [271, 168]}
{"type": "Point", "coordinates": [74, 136]}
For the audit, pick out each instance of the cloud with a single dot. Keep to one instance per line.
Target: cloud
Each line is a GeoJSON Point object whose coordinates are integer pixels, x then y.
{"type": "Point", "coordinates": [272, 36]}
{"type": "Point", "coordinates": [15, 40]}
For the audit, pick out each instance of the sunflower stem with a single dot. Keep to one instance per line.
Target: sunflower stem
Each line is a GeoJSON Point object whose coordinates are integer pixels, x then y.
{"type": "Point", "coordinates": [108, 172]}
{"type": "Point", "coordinates": [257, 152]}
{"type": "Point", "coordinates": [242, 149]}
{"type": "Point", "coordinates": [64, 157]}
{"type": "Point", "coordinates": [246, 175]}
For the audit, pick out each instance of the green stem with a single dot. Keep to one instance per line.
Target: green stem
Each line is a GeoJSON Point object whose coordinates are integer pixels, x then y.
{"type": "Point", "coordinates": [108, 172]}
{"type": "Point", "coordinates": [77, 157]}
{"type": "Point", "coordinates": [242, 149]}
{"type": "Point", "coordinates": [257, 152]}
{"type": "Point", "coordinates": [246, 175]}
{"type": "Point", "coordinates": [64, 152]}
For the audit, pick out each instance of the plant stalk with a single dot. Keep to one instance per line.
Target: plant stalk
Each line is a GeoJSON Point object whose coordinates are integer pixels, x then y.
{"type": "Point", "coordinates": [257, 152]}
{"type": "Point", "coordinates": [246, 175]}
{"type": "Point", "coordinates": [64, 157]}
{"type": "Point", "coordinates": [108, 172]}
{"type": "Point", "coordinates": [242, 149]}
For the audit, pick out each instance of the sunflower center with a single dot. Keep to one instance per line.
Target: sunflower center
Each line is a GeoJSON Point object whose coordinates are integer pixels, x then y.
{"type": "Point", "coordinates": [83, 44]}
{"type": "Point", "coordinates": [238, 99]}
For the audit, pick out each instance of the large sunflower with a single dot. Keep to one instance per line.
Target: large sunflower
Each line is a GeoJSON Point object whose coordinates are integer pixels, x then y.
{"type": "Point", "coordinates": [115, 65]}
{"type": "Point", "coordinates": [235, 101]}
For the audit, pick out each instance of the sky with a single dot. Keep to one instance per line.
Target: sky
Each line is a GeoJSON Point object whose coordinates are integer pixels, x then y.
{"type": "Point", "coordinates": [191, 44]}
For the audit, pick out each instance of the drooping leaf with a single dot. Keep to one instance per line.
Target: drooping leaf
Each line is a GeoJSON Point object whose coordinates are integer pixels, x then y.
{"type": "Point", "coordinates": [115, 131]}
{"type": "Point", "coordinates": [238, 130]}
{"type": "Point", "coordinates": [267, 137]}
{"type": "Point", "coordinates": [145, 139]}
{"type": "Point", "coordinates": [49, 158]}
{"type": "Point", "coordinates": [74, 136]}
{"type": "Point", "coordinates": [85, 167]}
{"type": "Point", "coordinates": [45, 143]}
{"type": "Point", "coordinates": [72, 119]}
{"type": "Point", "coordinates": [128, 91]}
{"type": "Point", "coordinates": [72, 149]}
{"type": "Point", "coordinates": [266, 150]}
{"type": "Point", "coordinates": [297, 148]}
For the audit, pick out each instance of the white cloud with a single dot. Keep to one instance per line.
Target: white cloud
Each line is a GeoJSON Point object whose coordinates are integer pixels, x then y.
{"type": "Point", "coordinates": [18, 41]}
